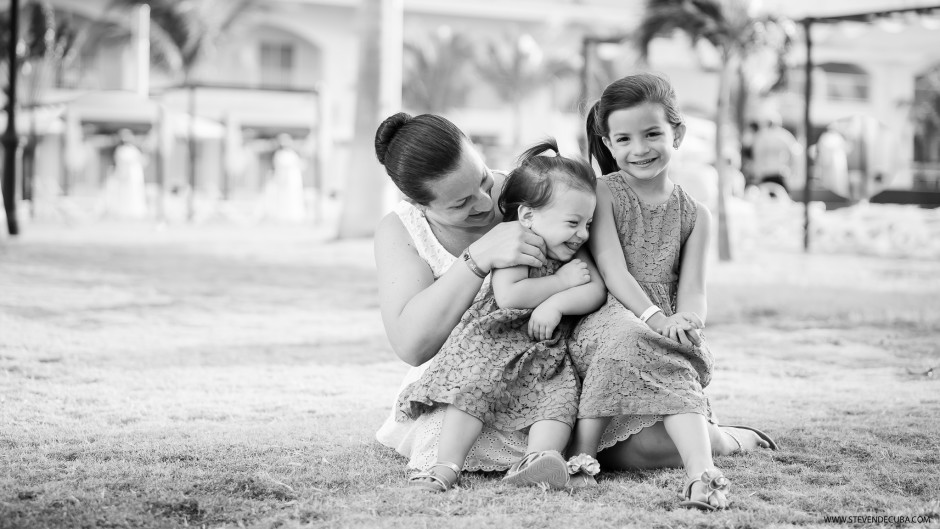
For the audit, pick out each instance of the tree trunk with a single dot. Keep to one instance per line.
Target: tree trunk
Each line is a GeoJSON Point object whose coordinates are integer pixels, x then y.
{"type": "Point", "coordinates": [10, 138]}
{"type": "Point", "coordinates": [363, 195]}
{"type": "Point", "coordinates": [721, 123]}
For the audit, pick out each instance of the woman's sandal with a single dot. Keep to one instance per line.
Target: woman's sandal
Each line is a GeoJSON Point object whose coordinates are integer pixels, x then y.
{"type": "Point", "coordinates": [714, 482]}
{"type": "Point", "coordinates": [546, 467]}
{"type": "Point", "coordinates": [766, 438]}
{"type": "Point", "coordinates": [581, 469]}
{"type": "Point", "coordinates": [431, 481]}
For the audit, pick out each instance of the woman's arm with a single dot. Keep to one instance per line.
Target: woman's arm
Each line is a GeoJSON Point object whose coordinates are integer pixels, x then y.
{"type": "Point", "coordinates": [605, 246]}
{"type": "Point", "coordinates": [691, 292]}
{"type": "Point", "coordinates": [418, 312]}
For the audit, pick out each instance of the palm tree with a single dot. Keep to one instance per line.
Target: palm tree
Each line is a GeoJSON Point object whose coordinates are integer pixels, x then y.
{"type": "Point", "coordinates": [182, 35]}
{"type": "Point", "coordinates": [363, 196]}
{"type": "Point", "coordinates": [435, 78]}
{"type": "Point", "coordinates": [736, 32]}
{"type": "Point", "coordinates": [47, 44]}
{"type": "Point", "coordinates": [517, 74]}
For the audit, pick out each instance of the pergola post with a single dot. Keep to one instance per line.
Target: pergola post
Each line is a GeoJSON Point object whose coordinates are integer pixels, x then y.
{"type": "Point", "coordinates": [807, 128]}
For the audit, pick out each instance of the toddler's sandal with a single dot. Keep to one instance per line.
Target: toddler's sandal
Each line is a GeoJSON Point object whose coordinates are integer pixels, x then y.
{"type": "Point", "coordinates": [539, 467]}
{"type": "Point", "coordinates": [434, 481]}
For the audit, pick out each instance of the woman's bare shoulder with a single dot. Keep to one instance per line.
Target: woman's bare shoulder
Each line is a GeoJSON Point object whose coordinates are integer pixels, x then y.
{"type": "Point", "coordinates": [391, 235]}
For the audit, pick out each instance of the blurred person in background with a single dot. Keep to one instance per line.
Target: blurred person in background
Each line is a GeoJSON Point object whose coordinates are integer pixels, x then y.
{"type": "Point", "coordinates": [125, 196]}
{"type": "Point", "coordinates": [831, 167]}
{"type": "Point", "coordinates": [776, 154]}
{"type": "Point", "coordinates": [284, 192]}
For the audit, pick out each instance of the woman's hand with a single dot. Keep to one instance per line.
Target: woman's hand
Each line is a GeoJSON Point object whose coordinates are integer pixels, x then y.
{"type": "Point", "coordinates": [543, 321]}
{"type": "Point", "coordinates": [508, 244]}
{"type": "Point", "coordinates": [574, 273]}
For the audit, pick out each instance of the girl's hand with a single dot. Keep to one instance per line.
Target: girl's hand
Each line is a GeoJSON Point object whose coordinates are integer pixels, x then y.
{"type": "Point", "coordinates": [574, 273]}
{"type": "Point", "coordinates": [543, 321]}
{"type": "Point", "coordinates": [691, 319]}
{"type": "Point", "coordinates": [507, 245]}
{"type": "Point", "coordinates": [682, 327]}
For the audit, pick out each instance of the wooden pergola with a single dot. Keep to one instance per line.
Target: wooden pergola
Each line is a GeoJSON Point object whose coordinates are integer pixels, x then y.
{"type": "Point", "coordinates": [808, 22]}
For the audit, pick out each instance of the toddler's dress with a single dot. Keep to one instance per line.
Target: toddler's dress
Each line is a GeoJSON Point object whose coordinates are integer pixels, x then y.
{"type": "Point", "coordinates": [491, 369]}
{"type": "Point", "coordinates": [628, 370]}
{"type": "Point", "coordinates": [417, 438]}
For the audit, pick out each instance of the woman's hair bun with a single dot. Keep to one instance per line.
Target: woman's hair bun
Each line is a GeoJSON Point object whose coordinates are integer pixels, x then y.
{"type": "Point", "coordinates": [386, 133]}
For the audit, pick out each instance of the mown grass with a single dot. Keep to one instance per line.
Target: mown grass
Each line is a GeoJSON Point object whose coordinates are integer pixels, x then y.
{"type": "Point", "coordinates": [224, 378]}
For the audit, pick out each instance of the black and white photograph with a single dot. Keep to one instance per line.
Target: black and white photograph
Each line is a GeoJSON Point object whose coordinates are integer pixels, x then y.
{"type": "Point", "coordinates": [469, 263]}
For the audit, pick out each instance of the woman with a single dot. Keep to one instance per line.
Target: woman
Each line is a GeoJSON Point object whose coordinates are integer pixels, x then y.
{"type": "Point", "coordinates": [431, 253]}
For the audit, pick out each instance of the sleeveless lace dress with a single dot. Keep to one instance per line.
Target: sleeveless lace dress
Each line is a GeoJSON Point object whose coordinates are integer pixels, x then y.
{"type": "Point", "coordinates": [417, 438]}
{"type": "Point", "coordinates": [491, 369]}
{"type": "Point", "coordinates": [629, 371]}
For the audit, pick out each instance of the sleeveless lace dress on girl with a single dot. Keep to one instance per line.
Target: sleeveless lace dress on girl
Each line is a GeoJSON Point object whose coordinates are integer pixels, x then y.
{"type": "Point", "coordinates": [629, 371]}
{"type": "Point", "coordinates": [417, 438]}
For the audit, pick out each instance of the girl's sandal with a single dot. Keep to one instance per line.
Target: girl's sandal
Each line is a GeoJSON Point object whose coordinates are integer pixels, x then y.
{"type": "Point", "coordinates": [539, 467]}
{"type": "Point", "coordinates": [582, 469]}
{"type": "Point", "coordinates": [714, 482]}
{"type": "Point", "coordinates": [771, 444]}
{"type": "Point", "coordinates": [431, 481]}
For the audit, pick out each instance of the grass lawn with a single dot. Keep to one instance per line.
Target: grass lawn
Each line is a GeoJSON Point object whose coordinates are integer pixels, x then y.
{"type": "Point", "coordinates": [221, 376]}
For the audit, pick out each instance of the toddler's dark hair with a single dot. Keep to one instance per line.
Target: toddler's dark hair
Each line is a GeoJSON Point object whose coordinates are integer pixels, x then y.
{"type": "Point", "coordinates": [532, 181]}
{"type": "Point", "coordinates": [627, 92]}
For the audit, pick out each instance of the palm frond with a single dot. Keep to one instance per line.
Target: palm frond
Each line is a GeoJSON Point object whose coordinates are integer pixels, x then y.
{"type": "Point", "coordinates": [193, 27]}
{"type": "Point", "coordinates": [435, 77]}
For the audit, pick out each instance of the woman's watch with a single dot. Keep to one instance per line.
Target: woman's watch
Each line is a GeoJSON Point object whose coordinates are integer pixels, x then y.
{"type": "Point", "coordinates": [471, 264]}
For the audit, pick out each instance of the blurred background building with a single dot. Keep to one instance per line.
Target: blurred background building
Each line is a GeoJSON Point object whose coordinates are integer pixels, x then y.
{"type": "Point", "coordinates": [207, 94]}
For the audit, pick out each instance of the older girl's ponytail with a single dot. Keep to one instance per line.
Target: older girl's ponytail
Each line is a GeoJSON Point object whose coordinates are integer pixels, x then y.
{"type": "Point", "coordinates": [595, 143]}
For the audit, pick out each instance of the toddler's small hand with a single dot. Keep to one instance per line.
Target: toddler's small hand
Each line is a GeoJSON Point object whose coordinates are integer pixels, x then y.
{"type": "Point", "coordinates": [543, 321]}
{"type": "Point", "coordinates": [574, 273]}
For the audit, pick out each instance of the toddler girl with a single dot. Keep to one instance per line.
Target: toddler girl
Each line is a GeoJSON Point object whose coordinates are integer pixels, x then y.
{"type": "Point", "coordinates": [506, 365]}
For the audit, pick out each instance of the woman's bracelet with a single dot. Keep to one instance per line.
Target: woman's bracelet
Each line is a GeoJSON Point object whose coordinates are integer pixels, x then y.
{"type": "Point", "coordinates": [648, 313]}
{"type": "Point", "coordinates": [471, 264]}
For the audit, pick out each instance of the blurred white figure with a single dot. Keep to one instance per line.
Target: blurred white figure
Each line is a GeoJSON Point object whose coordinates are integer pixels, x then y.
{"type": "Point", "coordinates": [776, 154]}
{"type": "Point", "coordinates": [832, 163]}
{"type": "Point", "coordinates": [284, 192]}
{"type": "Point", "coordinates": [125, 195]}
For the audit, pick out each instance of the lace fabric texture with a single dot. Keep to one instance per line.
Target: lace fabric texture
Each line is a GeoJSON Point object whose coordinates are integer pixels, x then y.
{"type": "Point", "coordinates": [491, 369]}
{"type": "Point", "coordinates": [629, 371]}
{"type": "Point", "coordinates": [417, 438]}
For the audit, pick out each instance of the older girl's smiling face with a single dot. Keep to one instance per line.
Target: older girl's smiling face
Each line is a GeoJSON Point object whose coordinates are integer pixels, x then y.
{"type": "Point", "coordinates": [642, 140]}
{"type": "Point", "coordinates": [462, 197]}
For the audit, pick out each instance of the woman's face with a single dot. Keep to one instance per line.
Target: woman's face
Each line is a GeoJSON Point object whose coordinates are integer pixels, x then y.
{"type": "Point", "coordinates": [462, 197]}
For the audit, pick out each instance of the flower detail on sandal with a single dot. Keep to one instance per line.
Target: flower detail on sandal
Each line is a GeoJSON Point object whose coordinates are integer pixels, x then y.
{"type": "Point", "coordinates": [583, 463]}
{"type": "Point", "coordinates": [582, 469]}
